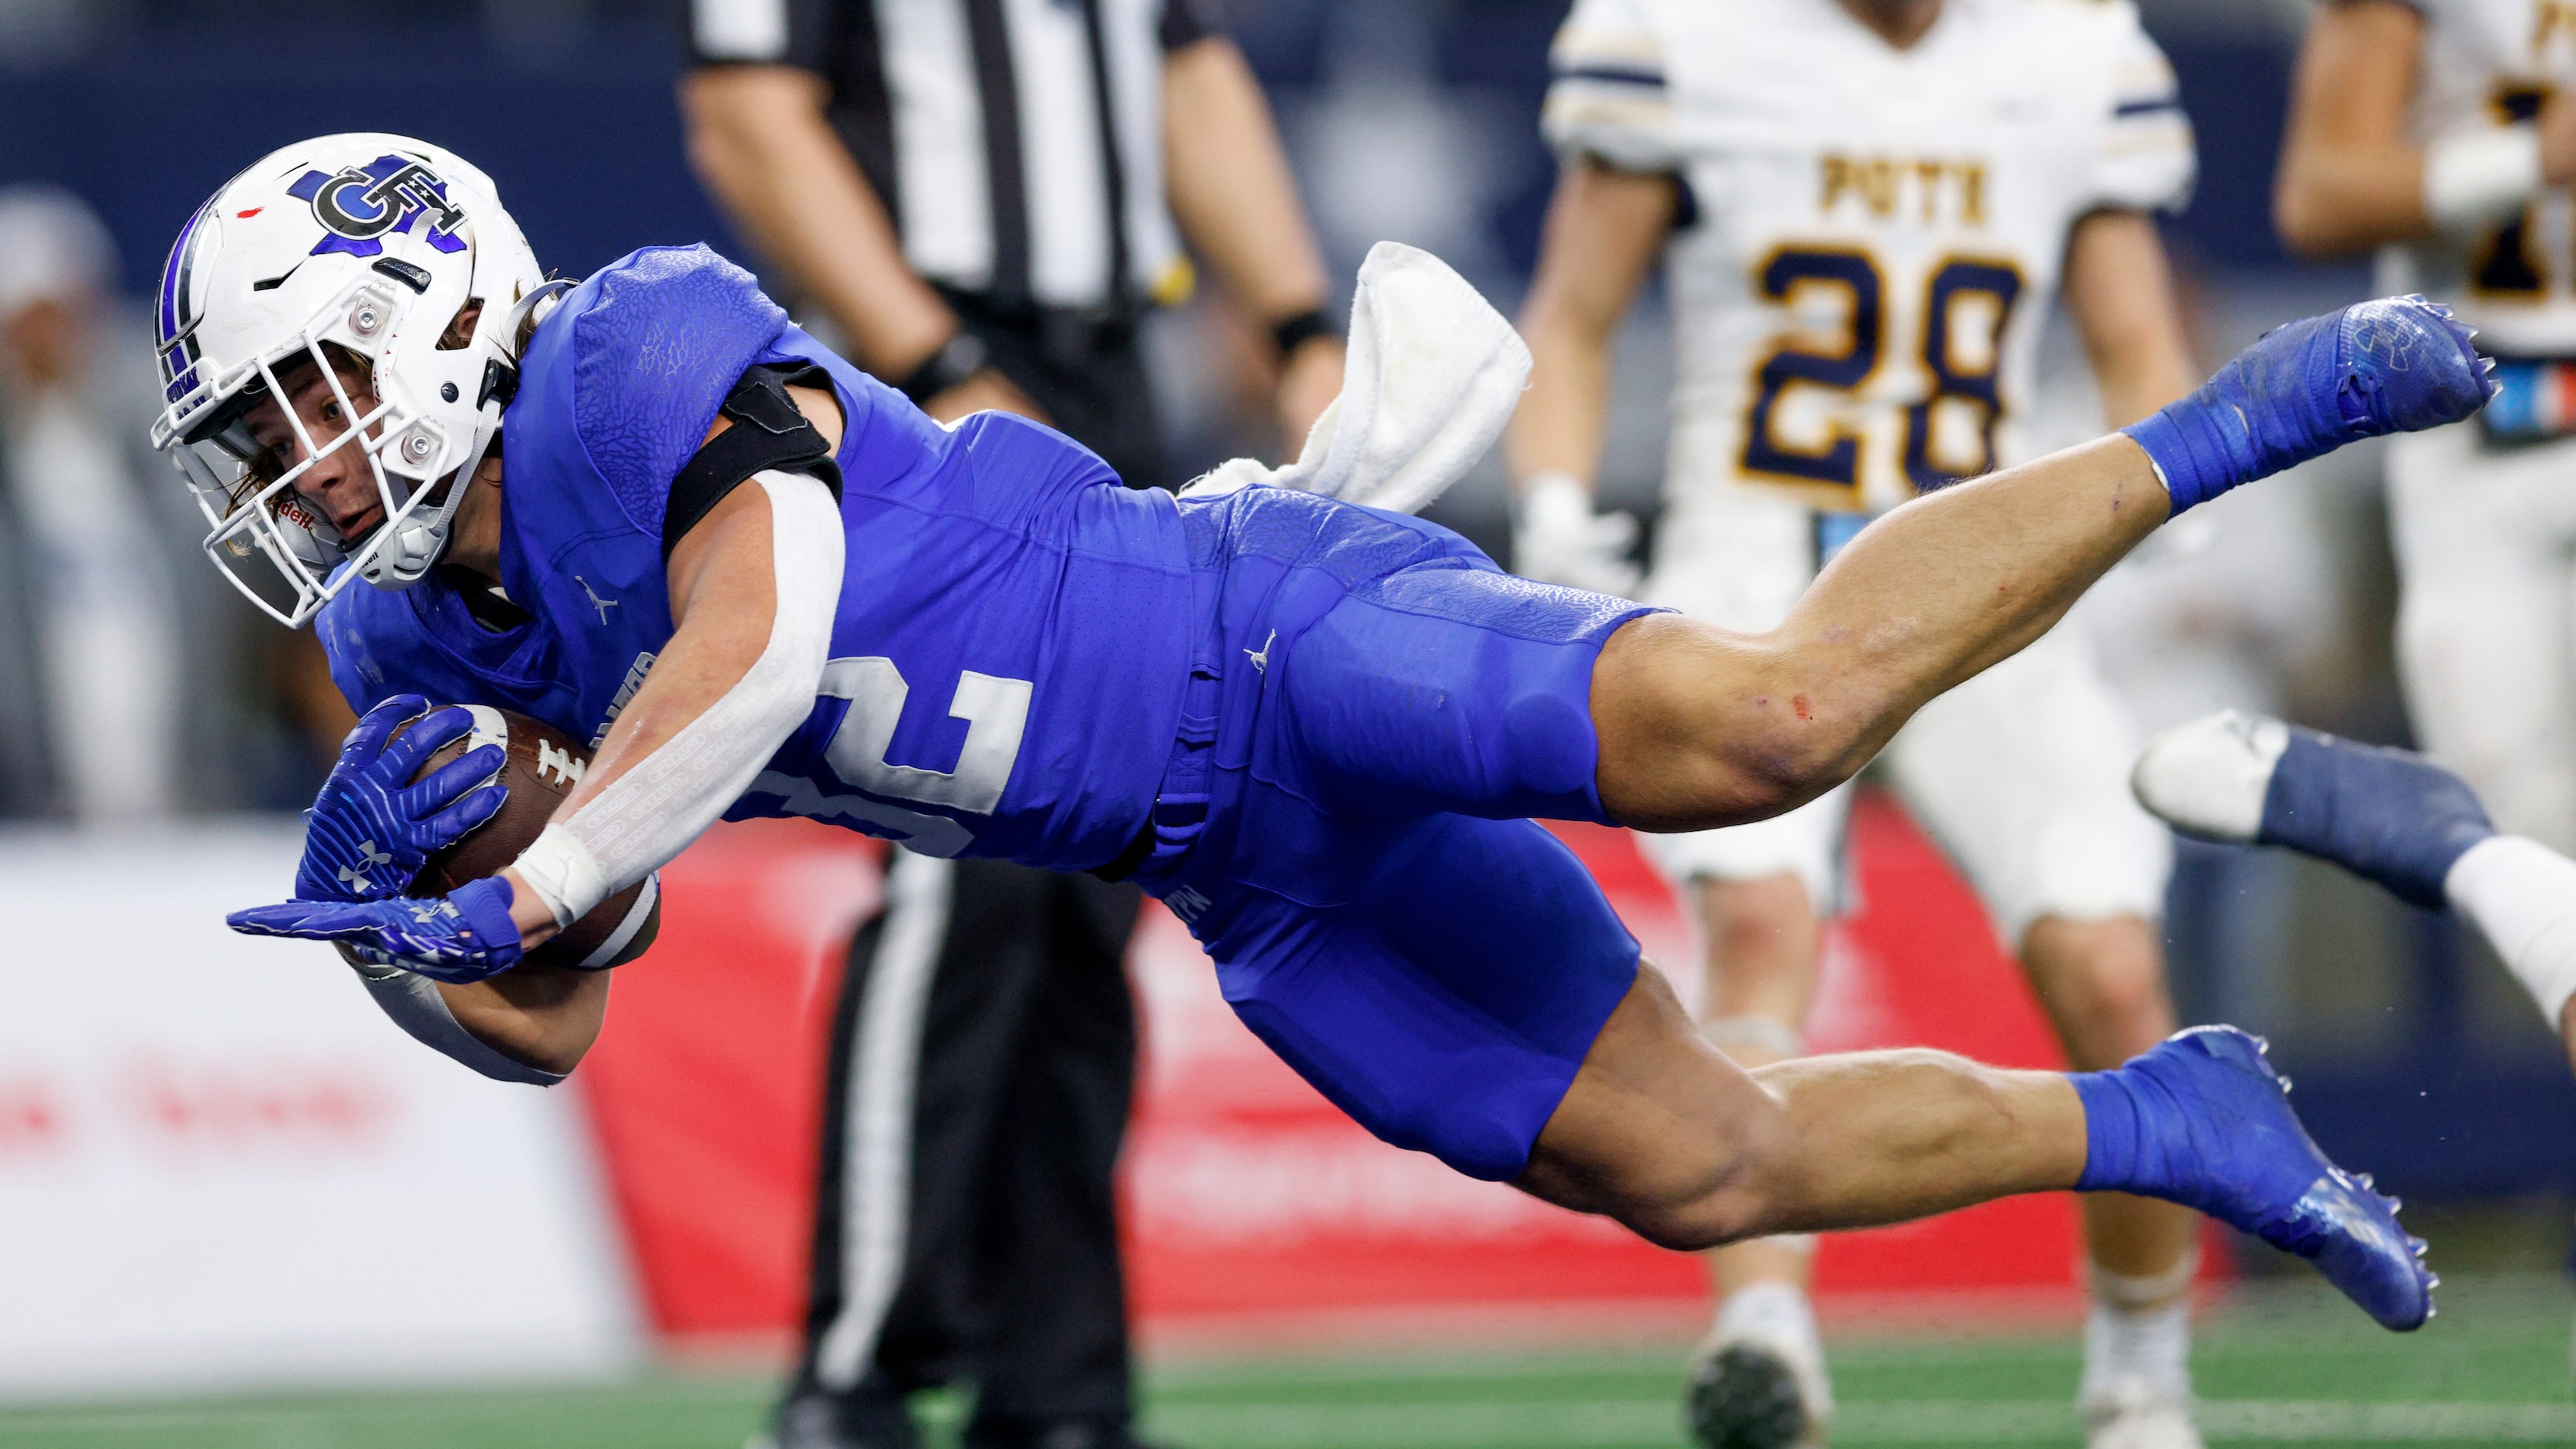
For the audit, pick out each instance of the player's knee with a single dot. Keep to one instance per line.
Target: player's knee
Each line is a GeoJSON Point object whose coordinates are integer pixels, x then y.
{"type": "Point", "coordinates": [1702, 728]}
{"type": "Point", "coordinates": [2104, 981]}
{"type": "Point", "coordinates": [1762, 929]}
{"type": "Point", "coordinates": [2128, 990]}
{"type": "Point", "coordinates": [1739, 1189]}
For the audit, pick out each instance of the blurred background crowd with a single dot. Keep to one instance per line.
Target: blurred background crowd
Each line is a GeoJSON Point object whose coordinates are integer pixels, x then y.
{"type": "Point", "coordinates": [122, 699]}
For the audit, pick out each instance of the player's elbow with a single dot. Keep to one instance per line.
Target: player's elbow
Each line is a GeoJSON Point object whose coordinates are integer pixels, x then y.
{"type": "Point", "coordinates": [543, 1019]}
{"type": "Point", "coordinates": [552, 1048]}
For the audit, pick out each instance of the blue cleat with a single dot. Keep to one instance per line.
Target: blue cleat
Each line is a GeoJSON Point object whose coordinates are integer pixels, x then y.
{"type": "Point", "coordinates": [2388, 816]}
{"type": "Point", "coordinates": [2397, 364]}
{"type": "Point", "coordinates": [2204, 1121]}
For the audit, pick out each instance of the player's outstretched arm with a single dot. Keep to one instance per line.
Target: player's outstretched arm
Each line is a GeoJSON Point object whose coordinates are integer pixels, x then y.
{"type": "Point", "coordinates": [754, 586]}
{"type": "Point", "coordinates": [1700, 727]}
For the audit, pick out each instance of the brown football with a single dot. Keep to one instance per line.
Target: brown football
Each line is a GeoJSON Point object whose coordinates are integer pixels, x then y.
{"type": "Point", "coordinates": [543, 764]}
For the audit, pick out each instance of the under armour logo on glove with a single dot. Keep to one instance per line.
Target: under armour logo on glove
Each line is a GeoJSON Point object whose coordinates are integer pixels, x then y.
{"type": "Point", "coordinates": [368, 857]}
{"type": "Point", "coordinates": [371, 828]}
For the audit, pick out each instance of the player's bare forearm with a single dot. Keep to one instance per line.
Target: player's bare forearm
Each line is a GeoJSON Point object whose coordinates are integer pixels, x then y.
{"type": "Point", "coordinates": [2350, 179]}
{"type": "Point", "coordinates": [758, 137]}
{"type": "Point", "coordinates": [1604, 230]}
{"type": "Point", "coordinates": [724, 603]}
{"type": "Point", "coordinates": [2119, 290]}
{"type": "Point", "coordinates": [1229, 183]}
{"type": "Point", "coordinates": [1230, 189]}
{"type": "Point", "coordinates": [1704, 727]}
{"type": "Point", "coordinates": [539, 1016]}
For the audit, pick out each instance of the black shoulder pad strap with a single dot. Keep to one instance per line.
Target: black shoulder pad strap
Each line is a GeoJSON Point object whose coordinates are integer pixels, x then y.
{"type": "Point", "coordinates": [767, 432]}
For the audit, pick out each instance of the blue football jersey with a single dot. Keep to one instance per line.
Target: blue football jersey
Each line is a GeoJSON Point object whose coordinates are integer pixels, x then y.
{"type": "Point", "coordinates": [1014, 628]}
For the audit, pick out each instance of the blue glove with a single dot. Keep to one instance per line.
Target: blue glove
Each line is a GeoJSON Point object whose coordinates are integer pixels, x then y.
{"type": "Point", "coordinates": [371, 828]}
{"type": "Point", "coordinates": [466, 937]}
{"type": "Point", "coordinates": [2398, 364]}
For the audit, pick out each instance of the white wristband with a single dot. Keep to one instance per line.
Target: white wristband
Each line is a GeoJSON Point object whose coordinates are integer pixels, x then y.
{"type": "Point", "coordinates": [1555, 500]}
{"type": "Point", "coordinates": [563, 873]}
{"type": "Point", "coordinates": [2478, 178]}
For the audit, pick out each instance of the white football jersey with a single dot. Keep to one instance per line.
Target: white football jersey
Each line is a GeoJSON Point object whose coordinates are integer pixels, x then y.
{"type": "Point", "coordinates": [2489, 63]}
{"type": "Point", "coordinates": [1871, 237]}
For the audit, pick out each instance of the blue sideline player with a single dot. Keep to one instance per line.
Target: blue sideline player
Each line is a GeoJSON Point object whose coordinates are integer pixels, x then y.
{"type": "Point", "coordinates": [648, 510]}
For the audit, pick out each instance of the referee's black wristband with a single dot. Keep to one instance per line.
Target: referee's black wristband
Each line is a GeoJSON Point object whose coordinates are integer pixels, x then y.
{"type": "Point", "coordinates": [1301, 329]}
{"type": "Point", "coordinates": [957, 359]}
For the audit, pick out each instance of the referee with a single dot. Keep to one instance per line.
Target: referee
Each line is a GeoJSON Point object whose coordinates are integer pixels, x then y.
{"type": "Point", "coordinates": [980, 198]}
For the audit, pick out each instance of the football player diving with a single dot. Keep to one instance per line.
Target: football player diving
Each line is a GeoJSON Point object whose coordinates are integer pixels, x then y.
{"type": "Point", "coordinates": [1317, 731]}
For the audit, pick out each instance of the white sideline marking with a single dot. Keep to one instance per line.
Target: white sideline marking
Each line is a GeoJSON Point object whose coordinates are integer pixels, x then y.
{"type": "Point", "coordinates": [1930, 1421]}
{"type": "Point", "coordinates": [1593, 1422]}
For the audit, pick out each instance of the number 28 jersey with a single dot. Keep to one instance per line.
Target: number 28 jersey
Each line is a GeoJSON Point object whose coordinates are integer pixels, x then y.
{"type": "Point", "coordinates": [1870, 237]}
{"type": "Point", "coordinates": [2490, 63]}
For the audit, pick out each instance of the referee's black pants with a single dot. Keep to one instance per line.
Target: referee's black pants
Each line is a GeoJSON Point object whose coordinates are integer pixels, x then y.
{"type": "Point", "coordinates": [982, 1064]}
{"type": "Point", "coordinates": [983, 1059]}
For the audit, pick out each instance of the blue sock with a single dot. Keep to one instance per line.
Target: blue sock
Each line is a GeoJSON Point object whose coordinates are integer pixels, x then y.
{"type": "Point", "coordinates": [2386, 815]}
{"type": "Point", "coordinates": [2112, 1135]}
{"type": "Point", "coordinates": [2310, 387]}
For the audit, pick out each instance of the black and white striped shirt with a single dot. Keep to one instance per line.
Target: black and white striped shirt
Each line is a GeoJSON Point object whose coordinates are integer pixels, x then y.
{"type": "Point", "coordinates": [980, 124]}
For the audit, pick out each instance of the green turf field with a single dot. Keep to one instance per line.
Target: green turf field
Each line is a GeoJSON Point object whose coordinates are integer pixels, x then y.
{"type": "Point", "coordinates": [2283, 1364]}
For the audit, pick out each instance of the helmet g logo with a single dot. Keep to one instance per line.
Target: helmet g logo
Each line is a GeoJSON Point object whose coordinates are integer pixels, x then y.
{"type": "Point", "coordinates": [357, 205]}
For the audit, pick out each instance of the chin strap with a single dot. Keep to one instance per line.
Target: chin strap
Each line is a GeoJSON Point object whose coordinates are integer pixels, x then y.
{"type": "Point", "coordinates": [419, 541]}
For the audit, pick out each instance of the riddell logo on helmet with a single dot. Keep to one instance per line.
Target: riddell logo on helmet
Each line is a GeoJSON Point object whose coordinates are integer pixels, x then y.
{"type": "Point", "coordinates": [291, 509]}
{"type": "Point", "coordinates": [358, 205]}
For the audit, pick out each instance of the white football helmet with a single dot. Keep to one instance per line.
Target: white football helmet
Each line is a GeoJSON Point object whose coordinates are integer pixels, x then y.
{"type": "Point", "coordinates": [373, 244]}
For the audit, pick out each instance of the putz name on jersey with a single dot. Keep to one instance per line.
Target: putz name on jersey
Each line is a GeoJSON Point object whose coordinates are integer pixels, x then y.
{"type": "Point", "coordinates": [1936, 189]}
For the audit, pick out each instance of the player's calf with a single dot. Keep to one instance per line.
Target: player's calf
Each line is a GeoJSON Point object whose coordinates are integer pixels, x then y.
{"type": "Point", "coordinates": [1662, 1133]}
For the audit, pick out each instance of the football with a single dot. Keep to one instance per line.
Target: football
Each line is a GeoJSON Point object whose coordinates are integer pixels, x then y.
{"type": "Point", "coordinates": [542, 767]}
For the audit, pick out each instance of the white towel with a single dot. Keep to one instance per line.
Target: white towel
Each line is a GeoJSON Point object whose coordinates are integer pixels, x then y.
{"type": "Point", "coordinates": [1432, 375]}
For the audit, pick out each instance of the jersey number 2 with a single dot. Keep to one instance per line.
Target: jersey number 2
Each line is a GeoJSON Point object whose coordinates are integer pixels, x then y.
{"type": "Point", "coordinates": [996, 712]}
{"type": "Point", "coordinates": [1856, 275]}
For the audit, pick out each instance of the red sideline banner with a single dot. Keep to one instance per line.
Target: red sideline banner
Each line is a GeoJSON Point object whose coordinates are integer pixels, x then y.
{"type": "Point", "coordinates": [706, 1086]}
{"type": "Point", "coordinates": [1247, 1193]}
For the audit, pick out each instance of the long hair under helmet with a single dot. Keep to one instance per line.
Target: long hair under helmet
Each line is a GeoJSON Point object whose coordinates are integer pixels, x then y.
{"type": "Point", "coordinates": [373, 246]}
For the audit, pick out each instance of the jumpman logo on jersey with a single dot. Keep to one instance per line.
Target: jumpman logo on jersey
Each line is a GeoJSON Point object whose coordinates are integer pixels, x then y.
{"type": "Point", "coordinates": [596, 602]}
{"type": "Point", "coordinates": [1261, 661]}
{"type": "Point", "coordinates": [368, 858]}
